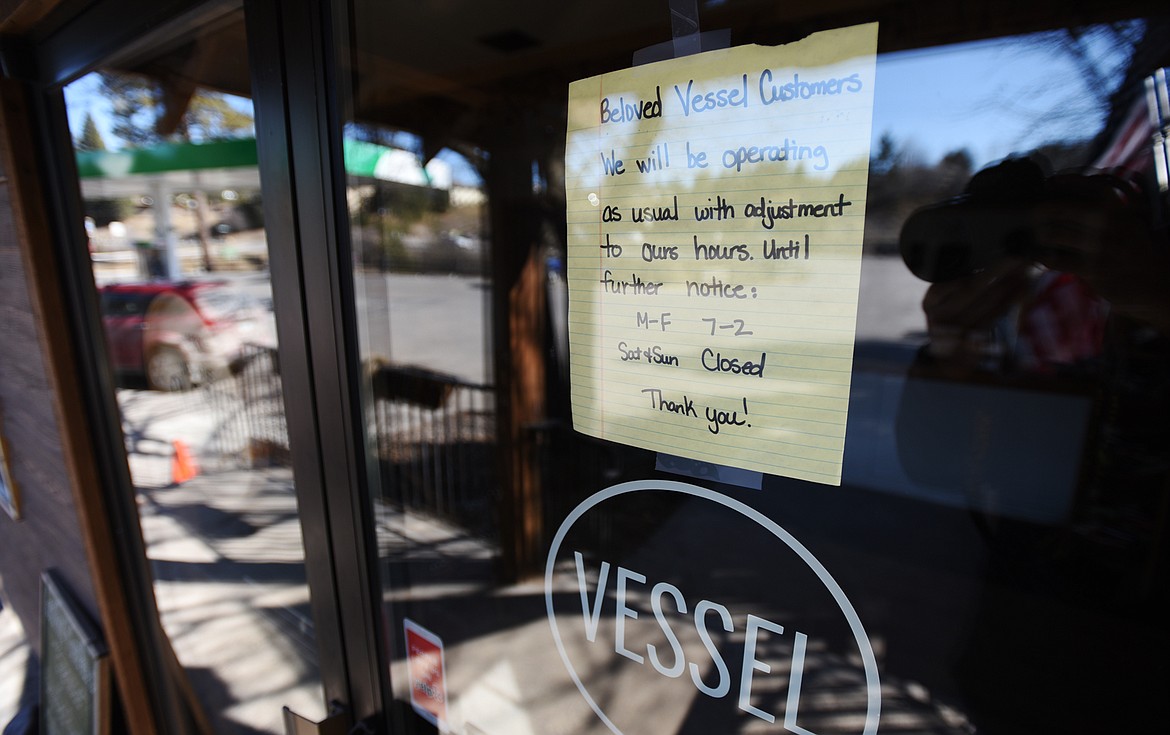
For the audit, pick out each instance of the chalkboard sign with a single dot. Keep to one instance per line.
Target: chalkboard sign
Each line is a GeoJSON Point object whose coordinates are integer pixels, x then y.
{"type": "Point", "coordinates": [74, 667]}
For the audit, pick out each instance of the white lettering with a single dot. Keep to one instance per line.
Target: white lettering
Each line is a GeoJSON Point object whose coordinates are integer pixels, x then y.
{"type": "Point", "coordinates": [710, 670]}
{"type": "Point", "coordinates": [623, 612]}
{"type": "Point", "coordinates": [680, 663]}
{"type": "Point", "coordinates": [591, 613]}
{"type": "Point", "coordinates": [752, 664]}
{"type": "Point", "coordinates": [724, 686]}
{"type": "Point", "coordinates": [794, 679]}
{"type": "Point", "coordinates": [591, 621]}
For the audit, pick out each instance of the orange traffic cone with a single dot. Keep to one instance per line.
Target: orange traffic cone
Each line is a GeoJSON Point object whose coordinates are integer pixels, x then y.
{"type": "Point", "coordinates": [183, 466]}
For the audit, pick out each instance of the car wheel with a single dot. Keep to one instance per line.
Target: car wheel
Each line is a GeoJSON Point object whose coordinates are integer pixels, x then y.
{"type": "Point", "coordinates": [167, 370]}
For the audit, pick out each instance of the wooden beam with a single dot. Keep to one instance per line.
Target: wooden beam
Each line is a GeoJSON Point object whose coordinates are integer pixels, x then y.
{"type": "Point", "coordinates": [517, 227]}
{"type": "Point", "coordinates": [31, 219]}
{"type": "Point", "coordinates": [19, 16]}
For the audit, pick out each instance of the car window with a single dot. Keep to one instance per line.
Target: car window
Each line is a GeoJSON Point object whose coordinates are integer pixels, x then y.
{"type": "Point", "coordinates": [123, 305]}
{"type": "Point", "coordinates": [222, 304]}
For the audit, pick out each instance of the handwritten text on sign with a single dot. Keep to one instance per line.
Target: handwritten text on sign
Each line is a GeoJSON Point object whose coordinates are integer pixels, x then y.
{"type": "Point", "coordinates": [716, 205]}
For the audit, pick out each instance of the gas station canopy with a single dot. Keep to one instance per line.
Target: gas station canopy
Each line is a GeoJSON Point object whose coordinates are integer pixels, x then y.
{"type": "Point", "coordinates": [232, 164]}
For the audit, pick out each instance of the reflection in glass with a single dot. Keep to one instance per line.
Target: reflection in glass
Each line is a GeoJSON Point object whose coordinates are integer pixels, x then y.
{"type": "Point", "coordinates": [177, 243]}
{"type": "Point", "coordinates": [420, 255]}
{"type": "Point", "coordinates": [1001, 526]}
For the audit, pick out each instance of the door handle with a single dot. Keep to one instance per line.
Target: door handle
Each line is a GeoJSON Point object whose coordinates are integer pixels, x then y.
{"type": "Point", "coordinates": [338, 722]}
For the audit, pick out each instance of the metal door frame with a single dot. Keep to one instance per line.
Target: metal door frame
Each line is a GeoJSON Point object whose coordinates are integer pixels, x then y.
{"type": "Point", "coordinates": [298, 136]}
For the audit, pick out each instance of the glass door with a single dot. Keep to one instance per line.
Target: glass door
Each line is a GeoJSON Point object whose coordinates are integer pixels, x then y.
{"type": "Point", "coordinates": [165, 144]}
{"type": "Point", "coordinates": [182, 261]}
{"type": "Point", "coordinates": [807, 388]}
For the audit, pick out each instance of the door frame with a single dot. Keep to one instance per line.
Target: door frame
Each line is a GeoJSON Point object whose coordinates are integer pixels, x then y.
{"type": "Point", "coordinates": [302, 174]}
{"type": "Point", "coordinates": [295, 82]}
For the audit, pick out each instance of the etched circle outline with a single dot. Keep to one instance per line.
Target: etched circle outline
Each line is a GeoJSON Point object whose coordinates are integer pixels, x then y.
{"type": "Point", "coordinates": [872, 683]}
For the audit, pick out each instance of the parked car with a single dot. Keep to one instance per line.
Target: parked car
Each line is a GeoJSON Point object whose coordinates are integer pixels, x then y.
{"type": "Point", "coordinates": [176, 334]}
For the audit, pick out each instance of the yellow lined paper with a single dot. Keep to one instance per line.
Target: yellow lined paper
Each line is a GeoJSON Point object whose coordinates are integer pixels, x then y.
{"type": "Point", "coordinates": [716, 206]}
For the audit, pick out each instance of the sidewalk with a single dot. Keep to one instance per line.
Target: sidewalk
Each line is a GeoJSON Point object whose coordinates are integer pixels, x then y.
{"type": "Point", "coordinates": [227, 558]}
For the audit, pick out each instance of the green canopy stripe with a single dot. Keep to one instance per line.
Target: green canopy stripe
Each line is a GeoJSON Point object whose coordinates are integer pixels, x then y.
{"type": "Point", "coordinates": [167, 157]}
{"type": "Point", "coordinates": [361, 159]}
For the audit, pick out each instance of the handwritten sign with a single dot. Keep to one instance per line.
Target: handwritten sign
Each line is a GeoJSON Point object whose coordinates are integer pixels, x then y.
{"type": "Point", "coordinates": [716, 206]}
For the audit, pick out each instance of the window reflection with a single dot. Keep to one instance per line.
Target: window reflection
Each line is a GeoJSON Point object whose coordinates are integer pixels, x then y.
{"type": "Point", "coordinates": [422, 282]}
{"type": "Point", "coordinates": [1003, 493]}
{"type": "Point", "coordinates": [178, 249]}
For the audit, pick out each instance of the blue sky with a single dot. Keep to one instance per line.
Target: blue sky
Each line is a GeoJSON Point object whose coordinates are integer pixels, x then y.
{"type": "Point", "coordinates": [993, 98]}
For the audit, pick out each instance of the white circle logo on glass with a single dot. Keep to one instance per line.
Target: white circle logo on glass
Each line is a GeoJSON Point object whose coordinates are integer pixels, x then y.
{"type": "Point", "coordinates": [706, 617]}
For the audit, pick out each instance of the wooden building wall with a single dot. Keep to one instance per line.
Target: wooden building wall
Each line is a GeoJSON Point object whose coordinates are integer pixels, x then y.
{"type": "Point", "coordinates": [49, 534]}
{"type": "Point", "coordinates": [64, 509]}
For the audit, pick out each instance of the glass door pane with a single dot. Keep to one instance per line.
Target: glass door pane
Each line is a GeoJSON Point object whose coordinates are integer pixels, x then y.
{"type": "Point", "coordinates": [166, 151]}
{"type": "Point", "coordinates": [989, 553]}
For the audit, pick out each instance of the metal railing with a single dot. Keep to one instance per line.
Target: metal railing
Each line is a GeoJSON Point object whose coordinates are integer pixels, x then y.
{"type": "Point", "coordinates": [248, 405]}
{"type": "Point", "coordinates": [433, 435]}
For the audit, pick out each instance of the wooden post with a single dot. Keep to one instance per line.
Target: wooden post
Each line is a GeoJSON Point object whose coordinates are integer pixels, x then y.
{"type": "Point", "coordinates": [33, 233]}
{"type": "Point", "coordinates": [518, 223]}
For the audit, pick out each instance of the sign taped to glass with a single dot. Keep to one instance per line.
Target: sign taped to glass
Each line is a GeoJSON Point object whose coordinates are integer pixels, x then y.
{"type": "Point", "coordinates": [716, 206]}
{"type": "Point", "coordinates": [428, 674]}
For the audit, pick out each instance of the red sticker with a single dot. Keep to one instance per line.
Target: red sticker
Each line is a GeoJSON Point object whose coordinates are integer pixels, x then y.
{"type": "Point", "coordinates": [428, 683]}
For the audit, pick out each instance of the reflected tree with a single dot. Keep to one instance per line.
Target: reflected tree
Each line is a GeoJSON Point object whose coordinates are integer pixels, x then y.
{"type": "Point", "coordinates": [143, 113]}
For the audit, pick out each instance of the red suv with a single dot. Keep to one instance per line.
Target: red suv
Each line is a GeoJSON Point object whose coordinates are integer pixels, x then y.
{"type": "Point", "coordinates": [176, 334]}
